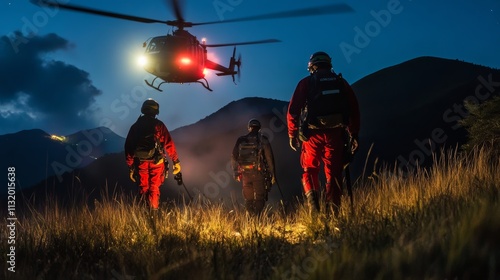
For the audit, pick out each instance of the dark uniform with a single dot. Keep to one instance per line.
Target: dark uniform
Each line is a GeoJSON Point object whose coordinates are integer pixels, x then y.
{"type": "Point", "coordinates": [253, 165]}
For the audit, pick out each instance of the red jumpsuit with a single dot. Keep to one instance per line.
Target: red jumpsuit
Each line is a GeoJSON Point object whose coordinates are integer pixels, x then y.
{"type": "Point", "coordinates": [323, 145]}
{"type": "Point", "coordinates": [151, 173]}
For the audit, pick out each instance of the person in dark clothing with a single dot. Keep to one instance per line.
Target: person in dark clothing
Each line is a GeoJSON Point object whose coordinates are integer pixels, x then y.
{"type": "Point", "coordinates": [147, 144]}
{"type": "Point", "coordinates": [253, 165]}
{"type": "Point", "coordinates": [322, 110]}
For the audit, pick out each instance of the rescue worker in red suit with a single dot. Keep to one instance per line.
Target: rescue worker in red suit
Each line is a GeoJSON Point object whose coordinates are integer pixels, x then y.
{"type": "Point", "coordinates": [150, 171]}
{"type": "Point", "coordinates": [322, 110]}
{"type": "Point", "coordinates": [253, 165]}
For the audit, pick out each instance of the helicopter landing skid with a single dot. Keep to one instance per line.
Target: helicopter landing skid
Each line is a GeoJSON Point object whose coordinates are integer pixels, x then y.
{"type": "Point", "coordinates": [205, 84]}
{"type": "Point", "coordinates": [152, 84]}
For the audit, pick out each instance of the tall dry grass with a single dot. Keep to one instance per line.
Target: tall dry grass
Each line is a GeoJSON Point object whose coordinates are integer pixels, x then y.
{"type": "Point", "coordinates": [436, 223]}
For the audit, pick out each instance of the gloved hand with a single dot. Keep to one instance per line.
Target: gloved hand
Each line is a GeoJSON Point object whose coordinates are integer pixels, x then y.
{"type": "Point", "coordinates": [177, 167]}
{"type": "Point", "coordinates": [131, 173]}
{"type": "Point", "coordinates": [294, 143]}
{"type": "Point", "coordinates": [273, 180]}
{"type": "Point", "coordinates": [237, 176]}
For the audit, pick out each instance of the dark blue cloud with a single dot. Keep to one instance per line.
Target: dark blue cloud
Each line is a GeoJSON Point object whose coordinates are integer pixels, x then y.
{"type": "Point", "coordinates": [38, 89]}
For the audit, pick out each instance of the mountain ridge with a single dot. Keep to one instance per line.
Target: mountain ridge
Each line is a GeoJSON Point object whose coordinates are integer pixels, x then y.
{"type": "Point", "coordinates": [405, 104]}
{"type": "Point", "coordinates": [38, 155]}
{"type": "Point", "coordinates": [397, 134]}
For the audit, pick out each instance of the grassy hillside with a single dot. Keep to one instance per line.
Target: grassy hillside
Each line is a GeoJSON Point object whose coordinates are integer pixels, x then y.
{"type": "Point", "coordinates": [441, 223]}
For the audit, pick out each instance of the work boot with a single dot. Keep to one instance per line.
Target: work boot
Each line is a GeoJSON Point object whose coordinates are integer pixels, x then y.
{"type": "Point", "coordinates": [259, 206]}
{"type": "Point", "coordinates": [250, 207]}
{"type": "Point", "coordinates": [332, 208]}
{"type": "Point", "coordinates": [313, 201]}
{"type": "Point", "coordinates": [154, 213]}
{"type": "Point", "coordinates": [336, 201]}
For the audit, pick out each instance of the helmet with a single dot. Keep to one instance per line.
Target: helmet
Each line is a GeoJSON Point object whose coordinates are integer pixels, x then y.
{"type": "Point", "coordinates": [150, 107]}
{"type": "Point", "coordinates": [253, 123]}
{"type": "Point", "coordinates": [320, 59]}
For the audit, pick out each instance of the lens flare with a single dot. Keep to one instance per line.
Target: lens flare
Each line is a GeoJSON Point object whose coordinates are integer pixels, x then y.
{"type": "Point", "coordinates": [142, 60]}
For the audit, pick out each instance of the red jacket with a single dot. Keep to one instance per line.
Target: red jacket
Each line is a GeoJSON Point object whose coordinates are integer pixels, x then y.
{"type": "Point", "coordinates": [161, 133]}
{"type": "Point", "coordinates": [298, 101]}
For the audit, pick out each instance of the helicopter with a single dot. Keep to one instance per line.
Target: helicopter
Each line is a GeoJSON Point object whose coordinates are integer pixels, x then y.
{"type": "Point", "coordinates": [180, 57]}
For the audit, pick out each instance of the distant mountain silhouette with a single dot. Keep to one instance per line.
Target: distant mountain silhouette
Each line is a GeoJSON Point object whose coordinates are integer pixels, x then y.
{"type": "Point", "coordinates": [403, 108]}
{"type": "Point", "coordinates": [37, 156]}
{"type": "Point", "coordinates": [406, 107]}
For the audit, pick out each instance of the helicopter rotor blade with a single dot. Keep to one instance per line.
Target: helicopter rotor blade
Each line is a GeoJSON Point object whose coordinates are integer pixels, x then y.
{"type": "Point", "coordinates": [321, 10]}
{"type": "Point", "coordinates": [244, 43]}
{"type": "Point", "coordinates": [96, 12]}
{"type": "Point", "coordinates": [177, 9]}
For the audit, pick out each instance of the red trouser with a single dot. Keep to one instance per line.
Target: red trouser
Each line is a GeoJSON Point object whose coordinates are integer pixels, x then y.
{"type": "Point", "coordinates": [327, 146]}
{"type": "Point", "coordinates": [151, 177]}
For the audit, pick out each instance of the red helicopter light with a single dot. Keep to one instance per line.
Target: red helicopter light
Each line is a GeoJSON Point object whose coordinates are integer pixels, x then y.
{"type": "Point", "coordinates": [185, 61]}
{"type": "Point", "coordinates": [189, 67]}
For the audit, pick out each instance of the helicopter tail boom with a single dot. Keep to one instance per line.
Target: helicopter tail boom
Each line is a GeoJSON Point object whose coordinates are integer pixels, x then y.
{"type": "Point", "coordinates": [232, 70]}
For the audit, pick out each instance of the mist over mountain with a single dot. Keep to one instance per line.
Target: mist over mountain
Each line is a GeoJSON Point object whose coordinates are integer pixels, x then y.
{"type": "Point", "coordinates": [408, 111]}
{"type": "Point", "coordinates": [204, 150]}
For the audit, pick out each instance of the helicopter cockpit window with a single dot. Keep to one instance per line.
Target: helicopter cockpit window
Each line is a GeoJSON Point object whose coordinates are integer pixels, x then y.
{"type": "Point", "coordinates": [156, 45]}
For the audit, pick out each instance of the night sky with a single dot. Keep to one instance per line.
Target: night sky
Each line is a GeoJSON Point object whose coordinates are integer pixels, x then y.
{"type": "Point", "coordinates": [63, 71]}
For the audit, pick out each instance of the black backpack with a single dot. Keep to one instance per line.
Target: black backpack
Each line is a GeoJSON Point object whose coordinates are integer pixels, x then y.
{"type": "Point", "coordinates": [147, 145]}
{"type": "Point", "coordinates": [327, 102]}
{"type": "Point", "coordinates": [250, 153]}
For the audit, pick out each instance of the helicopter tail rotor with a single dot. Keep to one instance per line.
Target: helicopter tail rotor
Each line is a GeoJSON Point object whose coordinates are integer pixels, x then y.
{"type": "Point", "coordinates": [238, 65]}
{"type": "Point", "coordinates": [233, 63]}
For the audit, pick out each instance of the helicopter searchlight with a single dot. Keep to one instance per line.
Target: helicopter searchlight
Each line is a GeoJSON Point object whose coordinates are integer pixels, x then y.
{"type": "Point", "coordinates": [162, 52]}
{"type": "Point", "coordinates": [142, 61]}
